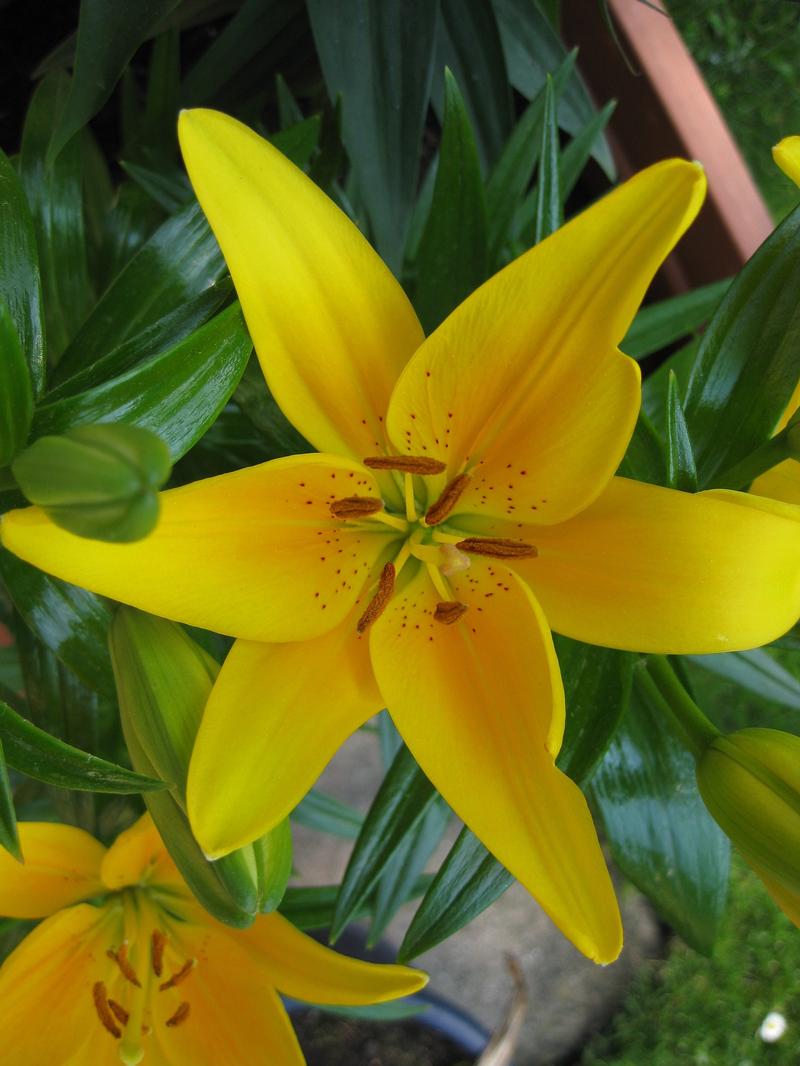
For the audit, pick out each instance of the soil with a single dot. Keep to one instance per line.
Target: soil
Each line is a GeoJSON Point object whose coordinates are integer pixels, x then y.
{"type": "Point", "coordinates": [331, 1040]}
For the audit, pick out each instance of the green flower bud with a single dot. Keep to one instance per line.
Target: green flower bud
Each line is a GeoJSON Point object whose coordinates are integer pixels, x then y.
{"type": "Point", "coordinates": [750, 782]}
{"type": "Point", "coordinates": [97, 481]}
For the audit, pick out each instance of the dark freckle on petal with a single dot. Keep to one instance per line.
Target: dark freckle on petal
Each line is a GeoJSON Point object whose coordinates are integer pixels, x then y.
{"type": "Point", "coordinates": [427, 373]}
{"type": "Point", "coordinates": [524, 473]}
{"type": "Point", "coordinates": [449, 414]}
{"type": "Point", "coordinates": [302, 484]}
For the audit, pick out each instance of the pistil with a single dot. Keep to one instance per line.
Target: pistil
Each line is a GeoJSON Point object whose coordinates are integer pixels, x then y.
{"type": "Point", "coordinates": [498, 547]}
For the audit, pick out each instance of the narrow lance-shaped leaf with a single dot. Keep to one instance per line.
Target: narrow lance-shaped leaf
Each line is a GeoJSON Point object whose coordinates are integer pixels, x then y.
{"type": "Point", "coordinates": [9, 837]}
{"type": "Point", "coordinates": [452, 254]}
{"type": "Point", "coordinates": [681, 469]}
{"type": "Point", "coordinates": [311, 907]}
{"type": "Point", "coordinates": [757, 672]}
{"type": "Point", "coordinates": [658, 325]}
{"type": "Point", "coordinates": [328, 815]}
{"type": "Point", "coordinates": [16, 394]}
{"type": "Point", "coordinates": [548, 194]}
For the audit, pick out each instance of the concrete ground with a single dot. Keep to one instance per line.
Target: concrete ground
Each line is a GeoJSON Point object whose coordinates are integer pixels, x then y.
{"type": "Point", "coordinates": [568, 996]}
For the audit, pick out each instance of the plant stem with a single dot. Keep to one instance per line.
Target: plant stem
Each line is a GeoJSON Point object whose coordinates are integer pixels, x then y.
{"type": "Point", "coordinates": [692, 727]}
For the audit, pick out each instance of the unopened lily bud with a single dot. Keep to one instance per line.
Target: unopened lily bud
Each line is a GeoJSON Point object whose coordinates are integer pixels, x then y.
{"type": "Point", "coordinates": [750, 782]}
{"type": "Point", "coordinates": [98, 481]}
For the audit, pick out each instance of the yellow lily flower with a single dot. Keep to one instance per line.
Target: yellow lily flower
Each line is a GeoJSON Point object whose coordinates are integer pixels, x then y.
{"type": "Point", "coordinates": [462, 501]}
{"type": "Point", "coordinates": [145, 975]}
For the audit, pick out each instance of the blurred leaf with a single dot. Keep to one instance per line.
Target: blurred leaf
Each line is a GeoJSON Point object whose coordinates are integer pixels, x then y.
{"type": "Point", "coordinates": [452, 253]}
{"type": "Point", "coordinates": [402, 800]}
{"type": "Point", "coordinates": [299, 142]}
{"type": "Point", "coordinates": [176, 394]}
{"type": "Point", "coordinates": [289, 113]}
{"type": "Point", "coordinates": [681, 470]}
{"type": "Point", "coordinates": [70, 621]}
{"type": "Point", "coordinates": [167, 186]}
{"type": "Point", "coordinates": [468, 882]}
{"type": "Point", "coordinates": [9, 837]}
{"type": "Point", "coordinates": [396, 1010]}
{"type": "Point", "coordinates": [99, 196]}
{"type": "Point", "coordinates": [108, 35]}
{"type": "Point", "coordinates": [661, 836]}
{"type": "Point", "coordinates": [258, 403]}
{"type": "Point", "coordinates": [579, 150]}
{"type": "Point", "coordinates": [127, 226]}
{"type": "Point", "coordinates": [20, 283]}
{"type": "Point", "coordinates": [311, 907]}
{"type": "Point", "coordinates": [755, 671]}
{"type": "Point", "coordinates": [33, 752]}
{"type": "Point", "coordinates": [379, 58]}
{"type": "Point", "coordinates": [16, 396]}
{"type": "Point", "coordinates": [328, 815]}
{"type": "Point", "coordinates": [468, 42]}
{"type": "Point", "coordinates": [177, 263]}
{"type": "Point", "coordinates": [661, 324]}
{"type": "Point", "coordinates": [748, 363]}
{"type": "Point", "coordinates": [548, 193]}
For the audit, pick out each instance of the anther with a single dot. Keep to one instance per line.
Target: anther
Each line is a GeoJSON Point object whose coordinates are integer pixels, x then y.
{"type": "Point", "coordinates": [121, 959]}
{"type": "Point", "coordinates": [355, 507]}
{"type": "Point", "coordinates": [449, 612]}
{"type": "Point", "coordinates": [119, 1012]}
{"type": "Point", "coordinates": [178, 977]}
{"type": "Point", "coordinates": [180, 1015]}
{"type": "Point", "coordinates": [406, 464]}
{"type": "Point", "coordinates": [447, 501]}
{"type": "Point", "coordinates": [157, 944]}
{"type": "Point", "coordinates": [103, 1010]}
{"type": "Point", "coordinates": [377, 604]}
{"type": "Point", "coordinates": [498, 547]}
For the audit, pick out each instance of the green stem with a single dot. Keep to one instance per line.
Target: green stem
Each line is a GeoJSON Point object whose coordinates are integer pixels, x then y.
{"type": "Point", "coordinates": [691, 726]}
{"type": "Point", "coordinates": [7, 480]}
{"type": "Point", "coordinates": [742, 474]}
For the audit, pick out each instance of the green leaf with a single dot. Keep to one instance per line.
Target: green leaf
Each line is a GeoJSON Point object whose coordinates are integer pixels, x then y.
{"type": "Point", "coordinates": [70, 621]}
{"type": "Point", "coordinates": [379, 59]}
{"type": "Point", "coordinates": [9, 837]}
{"type": "Point", "coordinates": [681, 469]}
{"type": "Point", "coordinates": [261, 408]}
{"type": "Point", "coordinates": [20, 282]}
{"type": "Point", "coordinates": [37, 754]}
{"type": "Point", "coordinates": [179, 262]}
{"type": "Point", "coordinates": [299, 142]}
{"type": "Point", "coordinates": [108, 35]}
{"type": "Point", "coordinates": [273, 857]}
{"type": "Point", "coordinates": [131, 222]}
{"type": "Point", "coordinates": [548, 193]}
{"type": "Point", "coordinates": [176, 394]}
{"type": "Point", "coordinates": [327, 815]}
{"type": "Point", "coordinates": [451, 261]}
{"type": "Point", "coordinates": [397, 1010]}
{"type": "Point", "coordinates": [16, 394]}
{"type": "Point", "coordinates": [312, 907]}
{"type": "Point", "coordinates": [645, 459]}
{"type": "Point", "coordinates": [755, 671]}
{"type": "Point", "coordinates": [55, 195]}
{"type": "Point", "coordinates": [659, 325]}
{"type": "Point", "coordinates": [167, 186]}
{"type": "Point", "coordinates": [402, 800]}
{"type": "Point", "coordinates": [580, 149]}
{"type": "Point", "coordinates": [468, 881]}
{"type": "Point", "coordinates": [661, 836]}
{"type": "Point", "coordinates": [749, 360]}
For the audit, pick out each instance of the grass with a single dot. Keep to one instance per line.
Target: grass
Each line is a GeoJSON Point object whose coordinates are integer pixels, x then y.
{"type": "Point", "coordinates": [693, 1011]}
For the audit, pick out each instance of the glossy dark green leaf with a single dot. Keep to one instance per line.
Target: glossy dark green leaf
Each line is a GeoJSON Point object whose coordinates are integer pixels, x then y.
{"type": "Point", "coordinates": [16, 392]}
{"type": "Point", "coordinates": [468, 881]}
{"type": "Point", "coordinates": [299, 142]}
{"type": "Point", "coordinates": [656, 385]}
{"type": "Point", "coordinates": [681, 469]}
{"type": "Point", "coordinates": [177, 394]}
{"type": "Point", "coordinates": [749, 359]}
{"type": "Point", "coordinates": [131, 222]}
{"type": "Point", "coordinates": [55, 195]}
{"type": "Point", "coordinates": [548, 216]}
{"type": "Point", "coordinates": [9, 837]}
{"type": "Point", "coordinates": [37, 754]}
{"type": "Point", "coordinates": [660, 834]}
{"type": "Point", "coordinates": [311, 907]}
{"type": "Point", "coordinates": [646, 458]}
{"type": "Point", "coordinates": [167, 186]}
{"type": "Point", "coordinates": [755, 671]}
{"type": "Point", "coordinates": [468, 42]}
{"type": "Point", "coordinates": [20, 282]}
{"type": "Point", "coordinates": [99, 196]}
{"type": "Point", "coordinates": [451, 261]}
{"type": "Point", "coordinates": [402, 800]}
{"type": "Point", "coordinates": [661, 324]}
{"type": "Point", "coordinates": [108, 35]}
{"type": "Point", "coordinates": [533, 50]}
{"type": "Point", "coordinates": [327, 815]}
{"type": "Point", "coordinates": [379, 58]}
{"type": "Point", "coordinates": [579, 150]}
{"type": "Point", "coordinates": [179, 262]}
{"type": "Point", "coordinates": [70, 621]}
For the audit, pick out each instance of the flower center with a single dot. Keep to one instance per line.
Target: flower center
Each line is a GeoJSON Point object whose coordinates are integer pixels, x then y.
{"type": "Point", "coordinates": [443, 552]}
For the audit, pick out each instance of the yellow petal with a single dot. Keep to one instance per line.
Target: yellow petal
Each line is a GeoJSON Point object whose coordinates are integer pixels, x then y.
{"type": "Point", "coordinates": [787, 155]}
{"type": "Point", "coordinates": [46, 988]}
{"type": "Point", "coordinates": [276, 715]}
{"type": "Point", "coordinates": [786, 899]}
{"type": "Point", "coordinates": [478, 702]}
{"type": "Point", "coordinates": [254, 554]}
{"type": "Point", "coordinates": [782, 482]}
{"type": "Point", "coordinates": [651, 569]}
{"type": "Point", "coordinates": [138, 856]}
{"type": "Point", "coordinates": [523, 385]}
{"type": "Point", "coordinates": [300, 967]}
{"type": "Point", "coordinates": [330, 324]}
{"type": "Point", "coordinates": [62, 866]}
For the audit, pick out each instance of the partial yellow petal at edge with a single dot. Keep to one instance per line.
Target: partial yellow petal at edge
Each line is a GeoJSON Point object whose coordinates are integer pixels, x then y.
{"type": "Point", "coordinates": [62, 867]}
{"type": "Point", "coordinates": [787, 155]}
{"type": "Point", "coordinates": [138, 856]}
{"type": "Point", "coordinates": [788, 901]}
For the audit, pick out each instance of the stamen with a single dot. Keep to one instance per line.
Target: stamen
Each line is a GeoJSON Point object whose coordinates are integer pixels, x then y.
{"type": "Point", "coordinates": [355, 506]}
{"type": "Point", "coordinates": [377, 604]}
{"type": "Point", "coordinates": [178, 977]}
{"type": "Point", "coordinates": [121, 959]}
{"type": "Point", "coordinates": [408, 493]}
{"type": "Point", "coordinates": [450, 612]}
{"type": "Point", "coordinates": [180, 1015]}
{"type": "Point", "coordinates": [406, 464]}
{"type": "Point", "coordinates": [498, 547]}
{"type": "Point", "coordinates": [103, 1011]}
{"type": "Point", "coordinates": [157, 944]}
{"type": "Point", "coordinates": [119, 1011]}
{"type": "Point", "coordinates": [447, 501]}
